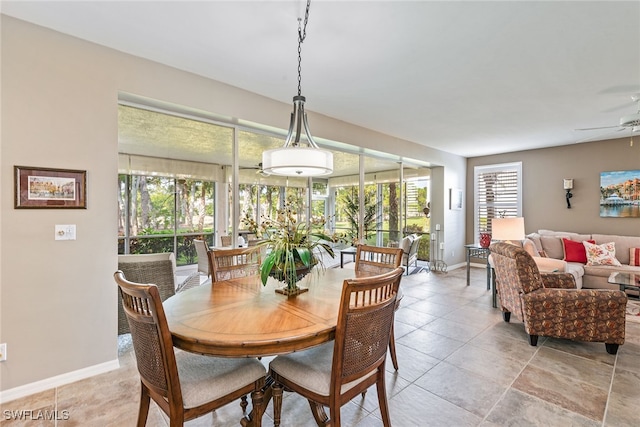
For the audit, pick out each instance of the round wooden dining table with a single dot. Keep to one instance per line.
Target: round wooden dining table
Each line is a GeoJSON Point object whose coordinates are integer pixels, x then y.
{"type": "Point", "coordinates": [243, 318]}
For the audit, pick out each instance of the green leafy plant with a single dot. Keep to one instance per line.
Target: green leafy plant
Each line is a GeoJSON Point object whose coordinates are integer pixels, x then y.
{"type": "Point", "coordinates": [352, 211]}
{"type": "Point", "coordinates": [293, 246]}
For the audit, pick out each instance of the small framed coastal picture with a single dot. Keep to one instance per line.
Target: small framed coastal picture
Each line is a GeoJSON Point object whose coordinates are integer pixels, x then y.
{"type": "Point", "coordinates": [47, 188]}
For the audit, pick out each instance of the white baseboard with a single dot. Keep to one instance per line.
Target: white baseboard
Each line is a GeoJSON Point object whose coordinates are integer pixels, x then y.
{"type": "Point", "coordinates": [477, 265]}
{"type": "Point", "coordinates": [57, 381]}
{"type": "Point", "coordinates": [460, 265]}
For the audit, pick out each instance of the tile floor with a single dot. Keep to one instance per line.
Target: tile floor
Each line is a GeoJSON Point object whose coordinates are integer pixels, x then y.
{"type": "Point", "coordinates": [460, 365]}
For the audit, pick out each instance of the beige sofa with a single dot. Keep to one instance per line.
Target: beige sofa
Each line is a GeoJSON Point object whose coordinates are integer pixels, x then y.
{"type": "Point", "coordinates": [547, 248]}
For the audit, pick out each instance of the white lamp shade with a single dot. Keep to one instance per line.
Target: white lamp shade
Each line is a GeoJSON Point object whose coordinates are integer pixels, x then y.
{"type": "Point", "coordinates": [297, 161]}
{"type": "Point", "coordinates": [507, 229]}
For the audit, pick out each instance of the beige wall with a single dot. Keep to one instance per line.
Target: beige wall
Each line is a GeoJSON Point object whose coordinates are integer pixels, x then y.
{"type": "Point", "coordinates": [544, 204]}
{"type": "Point", "coordinates": [59, 109]}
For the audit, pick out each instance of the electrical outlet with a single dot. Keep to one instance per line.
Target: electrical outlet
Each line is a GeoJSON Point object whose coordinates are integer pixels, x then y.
{"type": "Point", "coordinates": [3, 352]}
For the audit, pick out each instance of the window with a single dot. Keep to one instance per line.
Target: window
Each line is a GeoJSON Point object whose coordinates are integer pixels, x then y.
{"type": "Point", "coordinates": [497, 191]}
{"type": "Point", "coordinates": [184, 175]}
{"type": "Point", "coordinates": [164, 214]}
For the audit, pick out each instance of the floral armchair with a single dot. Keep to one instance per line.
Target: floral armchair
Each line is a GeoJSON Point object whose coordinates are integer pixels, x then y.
{"type": "Point", "coordinates": [549, 305]}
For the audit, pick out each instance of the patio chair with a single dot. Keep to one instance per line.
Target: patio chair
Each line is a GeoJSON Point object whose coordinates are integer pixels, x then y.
{"type": "Point", "coordinates": [203, 258]}
{"type": "Point", "coordinates": [225, 241]}
{"type": "Point", "coordinates": [410, 245]}
{"type": "Point", "coordinates": [158, 269]}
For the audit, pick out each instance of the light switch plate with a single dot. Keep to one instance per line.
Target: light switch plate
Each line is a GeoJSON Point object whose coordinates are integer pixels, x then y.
{"type": "Point", "coordinates": [65, 232]}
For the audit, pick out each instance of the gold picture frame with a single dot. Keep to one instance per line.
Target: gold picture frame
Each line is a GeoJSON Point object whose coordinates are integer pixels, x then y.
{"type": "Point", "coordinates": [48, 188]}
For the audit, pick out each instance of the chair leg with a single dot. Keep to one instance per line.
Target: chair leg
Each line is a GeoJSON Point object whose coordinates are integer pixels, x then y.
{"type": "Point", "coordinates": [506, 316]}
{"type": "Point", "coordinates": [319, 414]}
{"type": "Point", "coordinates": [533, 340]}
{"type": "Point", "coordinates": [176, 419]}
{"type": "Point", "coordinates": [334, 413]}
{"type": "Point", "coordinates": [382, 398]}
{"type": "Point", "coordinates": [276, 395]}
{"type": "Point", "coordinates": [611, 348]}
{"type": "Point", "coordinates": [244, 404]}
{"type": "Point", "coordinates": [392, 349]}
{"type": "Point", "coordinates": [143, 410]}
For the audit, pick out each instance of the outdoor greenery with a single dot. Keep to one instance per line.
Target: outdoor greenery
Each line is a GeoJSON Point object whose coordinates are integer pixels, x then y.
{"type": "Point", "coordinates": [164, 214]}
{"type": "Point", "coordinates": [350, 201]}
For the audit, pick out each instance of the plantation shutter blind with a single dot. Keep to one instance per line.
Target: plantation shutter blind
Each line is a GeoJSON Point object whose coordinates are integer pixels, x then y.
{"type": "Point", "coordinates": [497, 194]}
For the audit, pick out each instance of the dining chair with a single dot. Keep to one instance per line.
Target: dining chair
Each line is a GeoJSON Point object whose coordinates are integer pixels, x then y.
{"type": "Point", "coordinates": [184, 385]}
{"type": "Point", "coordinates": [333, 373]}
{"type": "Point", "coordinates": [375, 259]}
{"type": "Point", "coordinates": [203, 259]}
{"type": "Point", "coordinates": [147, 268]}
{"type": "Point", "coordinates": [226, 264]}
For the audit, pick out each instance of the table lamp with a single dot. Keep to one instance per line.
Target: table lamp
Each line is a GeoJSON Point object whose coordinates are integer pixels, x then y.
{"type": "Point", "coordinates": [507, 229]}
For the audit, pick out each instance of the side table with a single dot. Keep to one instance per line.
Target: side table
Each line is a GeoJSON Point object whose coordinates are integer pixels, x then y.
{"type": "Point", "coordinates": [475, 251]}
{"type": "Point", "coordinates": [347, 251]}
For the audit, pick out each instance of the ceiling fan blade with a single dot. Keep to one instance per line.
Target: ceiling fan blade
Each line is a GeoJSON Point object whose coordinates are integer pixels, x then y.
{"type": "Point", "coordinates": [601, 127]}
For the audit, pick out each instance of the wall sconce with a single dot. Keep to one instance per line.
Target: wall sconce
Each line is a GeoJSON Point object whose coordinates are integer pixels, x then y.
{"type": "Point", "coordinates": [568, 185]}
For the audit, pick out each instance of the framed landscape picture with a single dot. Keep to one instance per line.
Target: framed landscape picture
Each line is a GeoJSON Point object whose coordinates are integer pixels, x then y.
{"type": "Point", "coordinates": [50, 188]}
{"type": "Point", "coordinates": [620, 194]}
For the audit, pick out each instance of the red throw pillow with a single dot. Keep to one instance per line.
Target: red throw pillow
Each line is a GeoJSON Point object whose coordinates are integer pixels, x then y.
{"type": "Point", "coordinates": [575, 251]}
{"type": "Point", "coordinates": [634, 258]}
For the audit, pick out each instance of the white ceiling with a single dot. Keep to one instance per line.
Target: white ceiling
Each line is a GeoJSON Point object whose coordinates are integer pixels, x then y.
{"type": "Point", "coordinates": [470, 78]}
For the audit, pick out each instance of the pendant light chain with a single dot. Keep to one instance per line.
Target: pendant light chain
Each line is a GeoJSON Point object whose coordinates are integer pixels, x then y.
{"type": "Point", "coordinates": [293, 159]}
{"type": "Point", "coordinates": [302, 34]}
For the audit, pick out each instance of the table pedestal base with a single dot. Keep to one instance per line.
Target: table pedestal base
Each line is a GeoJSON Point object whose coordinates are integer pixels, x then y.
{"type": "Point", "coordinates": [260, 400]}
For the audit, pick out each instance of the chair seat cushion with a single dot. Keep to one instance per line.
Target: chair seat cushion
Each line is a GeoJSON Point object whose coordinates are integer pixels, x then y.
{"type": "Point", "coordinates": [311, 369]}
{"type": "Point", "coordinates": [206, 378]}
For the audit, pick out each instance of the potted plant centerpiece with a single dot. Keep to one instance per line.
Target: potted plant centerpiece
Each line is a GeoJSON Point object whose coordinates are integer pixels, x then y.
{"type": "Point", "coordinates": [293, 247]}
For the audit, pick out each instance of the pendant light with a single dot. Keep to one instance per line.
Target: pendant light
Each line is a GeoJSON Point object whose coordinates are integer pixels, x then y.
{"type": "Point", "coordinates": [294, 159]}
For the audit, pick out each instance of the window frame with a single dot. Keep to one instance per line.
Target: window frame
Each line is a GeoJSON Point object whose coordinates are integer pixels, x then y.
{"type": "Point", "coordinates": [478, 204]}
